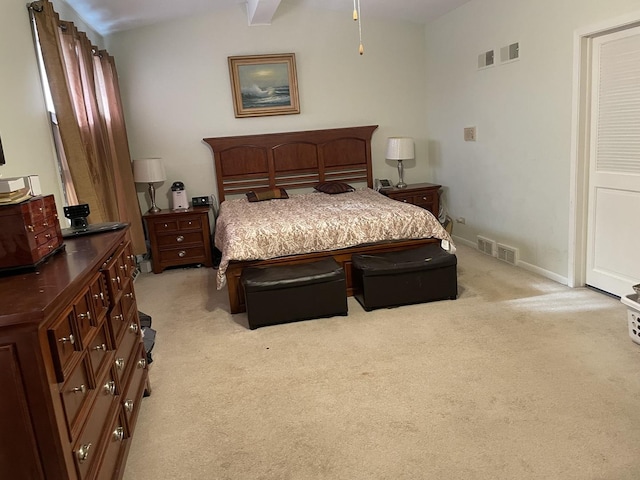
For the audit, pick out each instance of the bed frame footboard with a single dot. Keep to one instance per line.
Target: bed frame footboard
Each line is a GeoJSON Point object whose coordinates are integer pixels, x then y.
{"type": "Point", "coordinates": [342, 256]}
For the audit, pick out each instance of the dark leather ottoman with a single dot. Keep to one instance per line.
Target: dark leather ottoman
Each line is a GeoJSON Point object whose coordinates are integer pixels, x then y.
{"type": "Point", "coordinates": [288, 293]}
{"type": "Point", "coordinates": [391, 279]}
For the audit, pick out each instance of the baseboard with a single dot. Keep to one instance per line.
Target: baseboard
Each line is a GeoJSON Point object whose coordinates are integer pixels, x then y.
{"type": "Point", "coordinates": [545, 273]}
{"type": "Point", "coordinates": [524, 265]}
{"type": "Point", "coordinates": [464, 241]}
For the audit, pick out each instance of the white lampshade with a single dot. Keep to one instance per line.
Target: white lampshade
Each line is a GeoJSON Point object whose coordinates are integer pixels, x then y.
{"type": "Point", "coordinates": [400, 148]}
{"type": "Point", "coordinates": [148, 170]}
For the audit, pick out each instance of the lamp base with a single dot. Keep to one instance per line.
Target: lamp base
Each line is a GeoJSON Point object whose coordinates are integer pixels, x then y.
{"type": "Point", "coordinates": [154, 209]}
{"type": "Point", "coordinates": [401, 185]}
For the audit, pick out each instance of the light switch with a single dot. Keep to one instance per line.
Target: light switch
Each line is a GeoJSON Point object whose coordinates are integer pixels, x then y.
{"type": "Point", "coordinates": [470, 134]}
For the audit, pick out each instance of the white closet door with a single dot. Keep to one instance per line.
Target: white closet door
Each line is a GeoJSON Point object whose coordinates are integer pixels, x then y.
{"type": "Point", "coordinates": [613, 242]}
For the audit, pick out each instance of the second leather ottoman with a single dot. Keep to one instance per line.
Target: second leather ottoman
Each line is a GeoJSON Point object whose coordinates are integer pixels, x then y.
{"type": "Point", "coordinates": [391, 279]}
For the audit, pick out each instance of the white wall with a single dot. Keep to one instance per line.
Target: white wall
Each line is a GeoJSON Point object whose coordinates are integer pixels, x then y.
{"type": "Point", "coordinates": [512, 184]}
{"type": "Point", "coordinates": [24, 125]}
{"type": "Point", "coordinates": [176, 91]}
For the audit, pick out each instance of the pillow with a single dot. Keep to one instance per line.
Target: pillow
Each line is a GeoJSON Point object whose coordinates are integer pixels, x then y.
{"type": "Point", "coordinates": [334, 187]}
{"type": "Point", "coordinates": [270, 194]}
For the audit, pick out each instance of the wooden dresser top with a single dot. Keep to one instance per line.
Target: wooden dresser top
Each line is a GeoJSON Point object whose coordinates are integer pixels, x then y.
{"type": "Point", "coordinates": [28, 297]}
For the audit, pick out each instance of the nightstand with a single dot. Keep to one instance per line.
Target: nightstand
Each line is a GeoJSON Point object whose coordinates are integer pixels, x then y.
{"type": "Point", "coordinates": [425, 195]}
{"type": "Point", "coordinates": [180, 237]}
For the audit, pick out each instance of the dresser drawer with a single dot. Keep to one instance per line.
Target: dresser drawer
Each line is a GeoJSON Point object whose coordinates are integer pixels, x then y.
{"type": "Point", "coordinates": [64, 344]}
{"type": "Point", "coordinates": [99, 297]}
{"type": "Point", "coordinates": [115, 443]}
{"type": "Point", "coordinates": [132, 395]}
{"type": "Point", "coordinates": [75, 393]}
{"type": "Point", "coordinates": [117, 322]}
{"type": "Point", "coordinates": [86, 450]}
{"type": "Point", "coordinates": [99, 348]}
{"type": "Point", "coordinates": [132, 336]}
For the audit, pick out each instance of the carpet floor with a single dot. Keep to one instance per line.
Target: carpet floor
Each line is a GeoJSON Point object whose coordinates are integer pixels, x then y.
{"type": "Point", "coordinates": [519, 378]}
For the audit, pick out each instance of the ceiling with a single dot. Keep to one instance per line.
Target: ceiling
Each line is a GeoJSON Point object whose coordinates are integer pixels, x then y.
{"type": "Point", "coordinates": [108, 16]}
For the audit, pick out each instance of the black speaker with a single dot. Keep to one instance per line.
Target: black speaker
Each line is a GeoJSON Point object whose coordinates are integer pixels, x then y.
{"type": "Point", "coordinates": [200, 202]}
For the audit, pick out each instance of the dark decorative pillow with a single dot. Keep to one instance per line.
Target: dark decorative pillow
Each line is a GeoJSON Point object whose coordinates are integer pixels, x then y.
{"type": "Point", "coordinates": [270, 194]}
{"type": "Point", "coordinates": [334, 187]}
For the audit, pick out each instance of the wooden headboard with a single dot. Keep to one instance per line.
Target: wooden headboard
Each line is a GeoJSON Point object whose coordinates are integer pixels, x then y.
{"type": "Point", "coordinates": [292, 159]}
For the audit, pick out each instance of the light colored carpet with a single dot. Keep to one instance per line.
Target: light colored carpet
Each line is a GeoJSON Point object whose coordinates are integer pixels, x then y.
{"type": "Point", "coordinates": [520, 378]}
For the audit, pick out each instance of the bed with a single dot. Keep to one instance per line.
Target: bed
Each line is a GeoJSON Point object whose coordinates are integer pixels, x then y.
{"type": "Point", "coordinates": [309, 225]}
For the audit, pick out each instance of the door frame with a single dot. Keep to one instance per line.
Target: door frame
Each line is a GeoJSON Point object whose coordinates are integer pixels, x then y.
{"type": "Point", "coordinates": [580, 131]}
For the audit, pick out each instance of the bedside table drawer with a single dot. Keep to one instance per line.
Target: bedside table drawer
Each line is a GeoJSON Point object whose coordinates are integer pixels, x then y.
{"type": "Point", "coordinates": [194, 254]}
{"type": "Point", "coordinates": [179, 239]}
{"type": "Point", "coordinates": [190, 223]}
{"type": "Point", "coordinates": [165, 226]}
{"type": "Point", "coordinates": [406, 198]}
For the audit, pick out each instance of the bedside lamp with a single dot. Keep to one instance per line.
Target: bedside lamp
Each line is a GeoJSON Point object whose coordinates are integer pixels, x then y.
{"type": "Point", "coordinates": [400, 148]}
{"type": "Point", "coordinates": [149, 170]}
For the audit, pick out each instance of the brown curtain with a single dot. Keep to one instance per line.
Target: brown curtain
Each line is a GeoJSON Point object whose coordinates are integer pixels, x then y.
{"type": "Point", "coordinates": [84, 87]}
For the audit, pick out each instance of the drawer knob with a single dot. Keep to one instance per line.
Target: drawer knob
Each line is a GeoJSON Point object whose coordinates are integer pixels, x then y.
{"type": "Point", "coordinates": [118, 434]}
{"type": "Point", "coordinates": [120, 363]}
{"type": "Point", "coordinates": [182, 253]}
{"type": "Point", "coordinates": [81, 389]}
{"type": "Point", "coordinates": [48, 236]}
{"type": "Point", "coordinates": [110, 388]}
{"type": "Point", "coordinates": [45, 224]}
{"type": "Point", "coordinates": [142, 363]}
{"type": "Point", "coordinates": [102, 347]}
{"type": "Point", "coordinates": [69, 339]}
{"type": "Point", "coordinates": [166, 226]}
{"type": "Point", "coordinates": [133, 328]}
{"type": "Point", "coordinates": [30, 228]}
{"type": "Point", "coordinates": [128, 295]}
{"type": "Point", "coordinates": [83, 452]}
{"type": "Point", "coordinates": [82, 316]}
{"type": "Point", "coordinates": [180, 238]}
{"type": "Point", "coordinates": [128, 406]}
{"type": "Point", "coordinates": [99, 296]}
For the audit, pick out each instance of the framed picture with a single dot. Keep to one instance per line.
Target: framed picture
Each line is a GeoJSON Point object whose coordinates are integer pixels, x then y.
{"type": "Point", "coordinates": [264, 85]}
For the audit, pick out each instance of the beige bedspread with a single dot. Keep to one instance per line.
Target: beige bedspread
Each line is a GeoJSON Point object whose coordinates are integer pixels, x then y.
{"type": "Point", "coordinates": [316, 222]}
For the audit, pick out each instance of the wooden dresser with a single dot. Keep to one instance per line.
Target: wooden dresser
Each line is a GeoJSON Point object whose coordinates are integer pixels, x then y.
{"type": "Point", "coordinates": [72, 364]}
{"type": "Point", "coordinates": [179, 237]}
{"type": "Point", "coordinates": [425, 195]}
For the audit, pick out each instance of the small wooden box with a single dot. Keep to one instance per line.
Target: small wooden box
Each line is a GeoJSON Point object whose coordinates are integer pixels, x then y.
{"type": "Point", "coordinates": [29, 232]}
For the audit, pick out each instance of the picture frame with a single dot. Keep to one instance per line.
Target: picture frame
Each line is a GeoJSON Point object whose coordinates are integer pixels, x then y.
{"type": "Point", "coordinates": [264, 85]}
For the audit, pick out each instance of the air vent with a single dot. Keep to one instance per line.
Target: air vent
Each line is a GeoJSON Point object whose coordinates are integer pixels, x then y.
{"type": "Point", "coordinates": [486, 245]}
{"type": "Point", "coordinates": [486, 59]}
{"type": "Point", "coordinates": [510, 53]}
{"type": "Point", "coordinates": [507, 254]}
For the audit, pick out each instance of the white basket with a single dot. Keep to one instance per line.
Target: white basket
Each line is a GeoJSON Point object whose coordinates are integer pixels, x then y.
{"type": "Point", "coordinates": [633, 316]}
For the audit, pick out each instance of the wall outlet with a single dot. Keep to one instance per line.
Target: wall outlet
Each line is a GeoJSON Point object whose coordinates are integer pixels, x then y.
{"type": "Point", "coordinates": [461, 220]}
{"type": "Point", "coordinates": [470, 134]}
